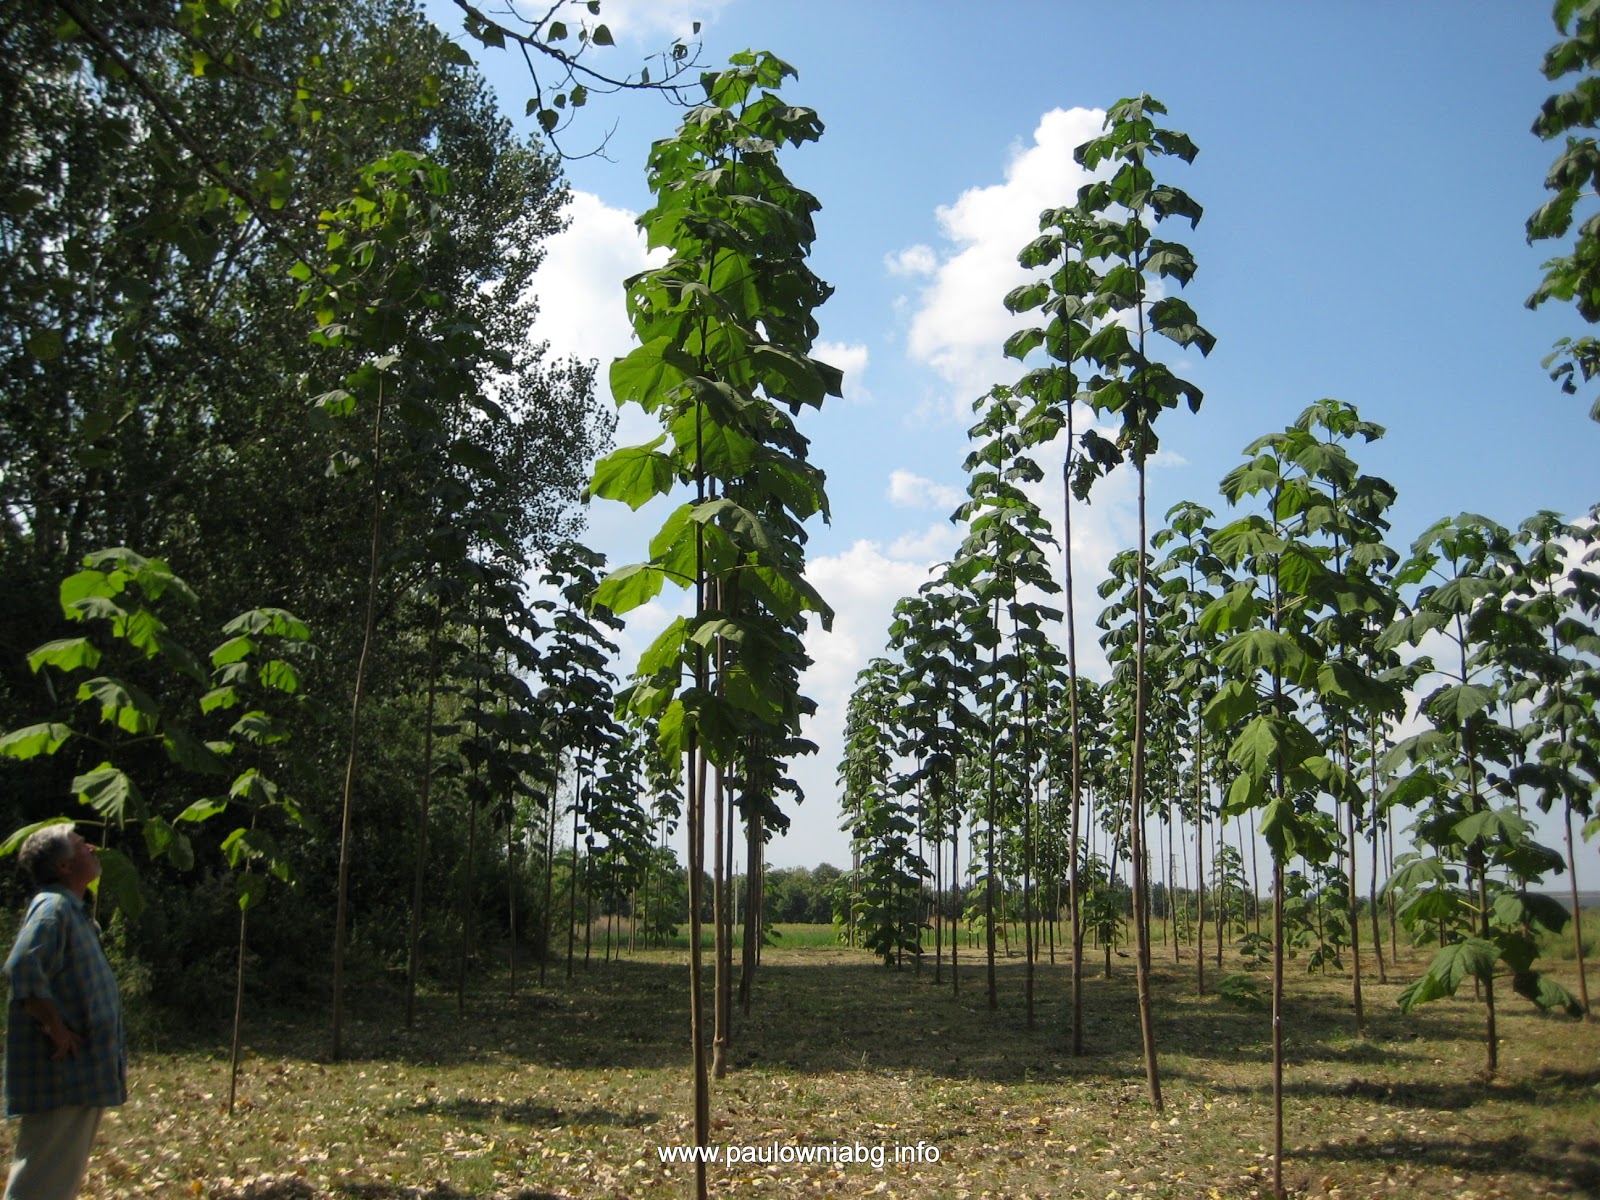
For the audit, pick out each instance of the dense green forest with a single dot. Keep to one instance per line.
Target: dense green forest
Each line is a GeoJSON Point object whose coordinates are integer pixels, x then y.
{"type": "Point", "coordinates": [298, 613]}
{"type": "Point", "coordinates": [284, 363]}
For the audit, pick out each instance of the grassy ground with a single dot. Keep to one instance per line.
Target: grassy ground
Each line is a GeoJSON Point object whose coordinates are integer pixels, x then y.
{"type": "Point", "coordinates": [569, 1090]}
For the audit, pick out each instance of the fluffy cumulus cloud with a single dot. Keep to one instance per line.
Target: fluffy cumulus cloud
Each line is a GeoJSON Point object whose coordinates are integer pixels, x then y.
{"type": "Point", "coordinates": [913, 260]}
{"type": "Point", "coordinates": [910, 490]}
{"type": "Point", "coordinates": [579, 284]}
{"type": "Point", "coordinates": [851, 358]}
{"type": "Point", "coordinates": [862, 583]}
{"type": "Point", "coordinates": [581, 309]}
{"type": "Point", "coordinates": [958, 322]}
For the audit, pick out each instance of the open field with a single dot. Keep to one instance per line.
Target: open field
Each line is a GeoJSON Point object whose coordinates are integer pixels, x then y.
{"type": "Point", "coordinates": [569, 1091]}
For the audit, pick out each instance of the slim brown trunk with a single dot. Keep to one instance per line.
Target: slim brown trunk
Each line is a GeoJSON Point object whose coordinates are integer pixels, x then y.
{"type": "Point", "coordinates": [419, 869]}
{"type": "Point", "coordinates": [369, 626]}
{"type": "Point", "coordinates": [1577, 917]}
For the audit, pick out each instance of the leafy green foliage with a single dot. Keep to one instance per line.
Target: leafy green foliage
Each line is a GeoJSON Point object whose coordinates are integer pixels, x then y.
{"type": "Point", "coordinates": [1574, 276]}
{"type": "Point", "coordinates": [724, 331]}
{"type": "Point", "coordinates": [119, 595]}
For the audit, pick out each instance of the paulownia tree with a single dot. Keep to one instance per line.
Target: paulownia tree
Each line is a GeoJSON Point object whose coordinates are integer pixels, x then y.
{"type": "Point", "coordinates": [1001, 567]}
{"type": "Point", "coordinates": [725, 328]}
{"type": "Point", "coordinates": [1477, 858]}
{"type": "Point", "coordinates": [1277, 669]}
{"type": "Point", "coordinates": [1554, 601]}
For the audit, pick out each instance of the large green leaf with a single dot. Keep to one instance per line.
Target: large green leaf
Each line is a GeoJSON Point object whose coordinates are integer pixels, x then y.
{"type": "Point", "coordinates": [124, 705]}
{"type": "Point", "coordinates": [626, 588]}
{"type": "Point", "coordinates": [1270, 742]}
{"type": "Point", "coordinates": [65, 654]}
{"type": "Point", "coordinates": [280, 675]}
{"type": "Point", "coordinates": [1456, 705]}
{"type": "Point", "coordinates": [1235, 700]}
{"type": "Point", "coordinates": [269, 622]}
{"type": "Point", "coordinates": [203, 810]}
{"type": "Point", "coordinates": [87, 585]}
{"type": "Point", "coordinates": [666, 652]}
{"type": "Point", "coordinates": [252, 787]}
{"type": "Point", "coordinates": [1545, 992]}
{"type": "Point", "coordinates": [1451, 966]}
{"type": "Point", "coordinates": [634, 475]}
{"type": "Point", "coordinates": [1494, 825]}
{"type": "Point", "coordinates": [1264, 650]}
{"type": "Point", "coordinates": [1432, 905]}
{"type": "Point", "coordinates": [34, 740]}
{"type": "Point", "coordinates": [110, 792]}
{"type": "Point", "coordinates": [120, 881]}
{"type": "Point", "coordinates": [1410, 629]}
{"type": "Point", "coordinates": [650, 373]}
{"type": "Point", "coordinates": [191, 753]}
{"type": "Point", "coordinates": [235, 649]}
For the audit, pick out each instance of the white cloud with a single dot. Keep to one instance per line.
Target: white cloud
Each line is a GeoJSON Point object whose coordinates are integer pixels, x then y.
{"type": "Point", "coordinates": [862, 584]}
{"type": "Point", "coordinates": [582, 309]}
{"type": "Point", "coordinates": [913, 260]}
{"type": "Point", "coordinates": [960, 322]}
{"type": "Point", "coordinates": [937, 543]}
{"type": "Point", "coordinates": [851, 358]}
{"type": "Point", "coordinates": [581, 304]}
{"type": "Point", "coordinates": [909, 490]}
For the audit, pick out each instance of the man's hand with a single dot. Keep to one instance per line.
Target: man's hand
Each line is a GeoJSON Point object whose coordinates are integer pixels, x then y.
{"type": "Point", "coordinates": [64, 1042]}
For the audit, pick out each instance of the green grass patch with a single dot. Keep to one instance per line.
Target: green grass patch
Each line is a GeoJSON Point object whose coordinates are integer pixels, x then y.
{"type": "Point", "coordinates": [569, 1090]}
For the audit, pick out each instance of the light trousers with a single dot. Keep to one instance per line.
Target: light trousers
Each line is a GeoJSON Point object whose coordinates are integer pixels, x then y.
{"type": "Point", "coordinates": [52, 1154]}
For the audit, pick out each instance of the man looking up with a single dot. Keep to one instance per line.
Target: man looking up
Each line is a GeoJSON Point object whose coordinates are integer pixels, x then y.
{"type": "Point", "coordinates": [66, 1057]}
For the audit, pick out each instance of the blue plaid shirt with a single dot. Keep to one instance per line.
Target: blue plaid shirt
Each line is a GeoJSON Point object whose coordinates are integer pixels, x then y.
{"type": "Point", "coordinates": [58, 956]}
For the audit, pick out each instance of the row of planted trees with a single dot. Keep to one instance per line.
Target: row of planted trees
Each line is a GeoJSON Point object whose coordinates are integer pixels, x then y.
{"type": "Point", "coordinates": [1282, 667]}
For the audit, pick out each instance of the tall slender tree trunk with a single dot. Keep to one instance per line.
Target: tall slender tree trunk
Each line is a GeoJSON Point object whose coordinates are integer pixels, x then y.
{"type": "Point", "coordinates": [1141, 931]}
{"type": "Point", "coordinates": [719, 915]}
{"type": "Point", "coordinates": [955, 902]}
{"type": "Point", "coordinates": [990, 816]}
{"type": "Point", "coordinates": [753, 915]}
{"type": "Point", "coordinates": [572, 877]}
{"type": "Point", "coordinates": [1394, 930]}
{"type": "Point", "coordinates": [1277, 1026]}
{"type": "Point", "coordinates": [1200, 854]}
{"type": "Point", "coordinates": [696, 829]}
{"type": "Point", "coordinates": [238, 1011]}
{"type": "Point", "coordinates": [730, 920]}
{"type": "Point", "coordinates": [938, 907]}
{"type": "Point", "coordinates": [1255, 875]}
{"type": "Point", "coordinates": [419, 869]}
{"type": "Point", "coordinates": [1027, 859]}
{"type": "Point", "coordinates": [549, 873]}
{"type": "Point", "coordinates": [1354, 898]}
{"type": "Point", "coordinates": [369, 626]}
{"type": "Point", "coordinates": [466, 904]}
{"type": "Point", "coordinates": [588, 911]}
{"type": "Point", "coordinates": [1172, 887]}
{"type": "Point", "coordinates": [1577, 914]}
{"type": "Point", "coordinates": [1222, 887]}
{"type": "Point", "coordinates": [1075, 734]}
{"type": "Point", "coordinates": [1481, 877]}
{"type": "Point", "coordinates": [511, 897]}
{"type": "Point", "coordinates": [1375, 829]}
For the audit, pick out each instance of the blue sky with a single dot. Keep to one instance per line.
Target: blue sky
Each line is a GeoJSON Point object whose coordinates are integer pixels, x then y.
{"type": "Point", "coordinates": [1365, 170]}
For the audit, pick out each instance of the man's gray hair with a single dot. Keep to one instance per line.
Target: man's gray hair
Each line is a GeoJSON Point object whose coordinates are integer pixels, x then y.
{"type": "Point", "coordinates": [44, 852]}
